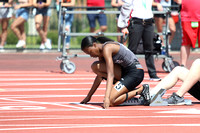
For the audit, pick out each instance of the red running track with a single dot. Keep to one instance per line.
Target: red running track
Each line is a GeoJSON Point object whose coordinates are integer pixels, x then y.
{"type": "Point", "coordinates": [36, 97]}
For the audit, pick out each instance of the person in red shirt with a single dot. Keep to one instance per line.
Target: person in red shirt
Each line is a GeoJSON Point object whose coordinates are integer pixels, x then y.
{"type": "Point", "coordinates": [190, 20]}
{"type": "Point", "coordinates": [102, 19]}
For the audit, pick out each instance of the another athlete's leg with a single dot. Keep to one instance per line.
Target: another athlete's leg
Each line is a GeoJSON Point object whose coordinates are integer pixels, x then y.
{"type": "Point", "coordinates": [178, 73]}
{"type": "Point", "coordinates": [192, 77]}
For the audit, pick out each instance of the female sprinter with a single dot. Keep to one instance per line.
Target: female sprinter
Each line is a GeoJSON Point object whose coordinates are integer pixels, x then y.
{"type": "Point", "coordinates": [119, 66]}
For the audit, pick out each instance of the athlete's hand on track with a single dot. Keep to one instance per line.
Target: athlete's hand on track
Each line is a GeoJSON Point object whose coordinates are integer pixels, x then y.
{"type": "Point", "coordinates": [86, 100]}
{"type": "Point", "coordinates": [106, 103]}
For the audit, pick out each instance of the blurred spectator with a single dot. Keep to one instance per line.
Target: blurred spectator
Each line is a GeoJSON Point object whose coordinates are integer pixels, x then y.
{"type": "Point", "coordinates": [160, 19]}
{"type": "Point", "coordinates": [190, 22]}
{"type": "Point", "coordinates": [68, 18]}
{"type": "Point", "coordinates": [22, 14]}
{"type": "Point", "coordinates": [43, 13]}
{"type": "Point", "coordinates": [5, 15]}
{"type": "Point", "coordinates": [102, 19]}
{"type": "Point", "coordinates": [118, 4]}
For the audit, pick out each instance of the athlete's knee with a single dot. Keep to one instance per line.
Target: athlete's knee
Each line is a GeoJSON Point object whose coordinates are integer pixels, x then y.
{"type": "Point", "coordinates": [197, 63]}
{"type": "Point", "coordinates": [37, 26]}
{"type": "Point", "coordinates": [95, 66]}
{"type": "Point", "coordinates": [178, 69]}
{"type": "Point", "coordinates": [103, 28]}
{"type": "Point", "coordinates": [12, 26]}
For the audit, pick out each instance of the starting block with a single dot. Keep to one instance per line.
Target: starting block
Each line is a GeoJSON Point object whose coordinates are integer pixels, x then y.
{"type": "Point", "coordinates": [157, 100]}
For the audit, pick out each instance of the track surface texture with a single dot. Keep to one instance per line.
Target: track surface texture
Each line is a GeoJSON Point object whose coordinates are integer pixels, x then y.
{"type": "Point", "coordinates": [37, 97]}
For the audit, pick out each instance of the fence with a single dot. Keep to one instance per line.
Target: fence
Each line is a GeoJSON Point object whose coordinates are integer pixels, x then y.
{"type": "Point", "coordinates": [80, 25]}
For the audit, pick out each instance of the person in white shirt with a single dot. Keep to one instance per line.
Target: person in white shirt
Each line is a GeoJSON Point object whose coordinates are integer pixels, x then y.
{"type": "Point", "coordinates": [136, 20]}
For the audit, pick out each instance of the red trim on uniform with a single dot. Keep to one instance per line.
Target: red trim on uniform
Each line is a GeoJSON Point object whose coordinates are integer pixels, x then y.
{"type": "Point", "coordinates": [129, 17]}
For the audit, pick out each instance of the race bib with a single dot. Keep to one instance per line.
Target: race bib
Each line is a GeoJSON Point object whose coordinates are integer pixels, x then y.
{"type": "Point", "coordinates": [119, 86]}
{"type": "Point", "coordinates": [195, 24]}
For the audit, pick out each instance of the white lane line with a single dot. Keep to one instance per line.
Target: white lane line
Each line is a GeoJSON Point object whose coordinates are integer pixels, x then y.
{"type": "Point", "coordinates": [53, 96]}
{"type": "Point", "coordinates": [76, 83]}
{"type": "Point", "coordinates": [32, 84]}
{"type": "Point", "coordinates": [44, 96]}
{"type": "Point", "coordinates": [113, 109]}
{"type": "Point", "coordinates": [45, 74]}
{"type": "Point", "coordinates": [44, 79]}
{"type": "Point", "coordinates": [65, 126]}
{"type": "Point", "coordinates": [46, 89]}
{"type": "Point", "coordinates": [46, 103]}
{"type": "Point", "coordinates": [49, 117]}
{"type": "Point", "coordinates": [85, 105]}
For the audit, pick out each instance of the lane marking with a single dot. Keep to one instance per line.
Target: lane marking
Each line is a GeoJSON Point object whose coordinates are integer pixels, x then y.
{"type": "Point", "coordinates": [2, 89]}
{"type": "Point", "coordinates": [45, 79]}
{"type": "Point", "coordinates": [182, 111]}
{"type": "Point", "coordinates": [85, 105]}
{"type": "Point", "coordinates": [47, 89]}
{"type": "Point", "coordinates": [64, 126]}
{"type": "Point", "coordinates": [44, 96]}
{"type": "Point", "coordinates": [53, 96]}
{"type": "Point", "coordinates": [32, 84]}
{"type": "Point", "coordinates": [64, 83]}
{"type": "Point", "coordinates": [47, 103]}
{"type": "Point", "coordinates": [58, 117]}
{"type": "Point", "coordinates": [22, 107]}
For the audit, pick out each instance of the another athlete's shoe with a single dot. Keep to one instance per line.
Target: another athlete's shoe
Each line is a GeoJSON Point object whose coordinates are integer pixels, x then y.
{"type": "Point", "coordinates": [174, 99]}
{"type": "Point", "coordinates": [146, 94]}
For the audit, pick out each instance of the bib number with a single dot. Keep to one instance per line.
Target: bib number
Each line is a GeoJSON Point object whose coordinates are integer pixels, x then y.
{"type": "Point", "coordinates": [119, 86]}
{"type": "Point", "coordinates": [195, 24]}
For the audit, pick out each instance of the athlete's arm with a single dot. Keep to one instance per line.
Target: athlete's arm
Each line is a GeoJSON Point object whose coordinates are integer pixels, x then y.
{"type": "Point", "coordinates": [95, 85]}
{"type": "Point", "coordinates": [107, 53]}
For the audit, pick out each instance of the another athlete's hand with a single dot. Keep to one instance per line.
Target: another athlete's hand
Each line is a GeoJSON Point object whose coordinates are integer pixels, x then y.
{"type": "Point", "coordinates": [86, 100]}
{"type": "Point", "coordinates": [106, 103]}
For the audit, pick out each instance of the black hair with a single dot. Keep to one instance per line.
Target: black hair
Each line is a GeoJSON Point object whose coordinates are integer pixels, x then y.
{"type": "Point", "coordinates": [103, 39]}
{"type": "Point", "coordinates": [89, 40]}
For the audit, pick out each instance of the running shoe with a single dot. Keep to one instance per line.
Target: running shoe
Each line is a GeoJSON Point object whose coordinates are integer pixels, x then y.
{"type": "Point", "coordinates": [42, 47]}
{"type": "Point", "coordinates": [146, 94]}
{"type": "Point", "coordinates": [48, 44]}
{"type": "Point", "coordinates": [155, 78]}
{"type": "Point", "coordinates": [20, 43]}
{"type": "Point", "coordinates": [175, 99]}
{"type": "Point", "coordinates": [2, 49]}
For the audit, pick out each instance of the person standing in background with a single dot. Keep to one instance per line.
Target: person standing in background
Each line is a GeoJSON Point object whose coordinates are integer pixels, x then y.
{"type": "Point", "coordinates": [190, 22]}
{"type": "Point", "coordinates": [102, 19]}
{"type": "Point", "coordinates": [118, 4]}
{"type": "Point", "coordinates": [5, 15]}
{"type": "Point", "coordinates": [68, 4]}
{"type": "Point", "coordinates": [160, 19]}
{"type": "Point", "coordinates": [136, 20]}
{"type": "Point", "coordinates": [22, 14]}
{"type": "Point", "coordinates": [43, 13]}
